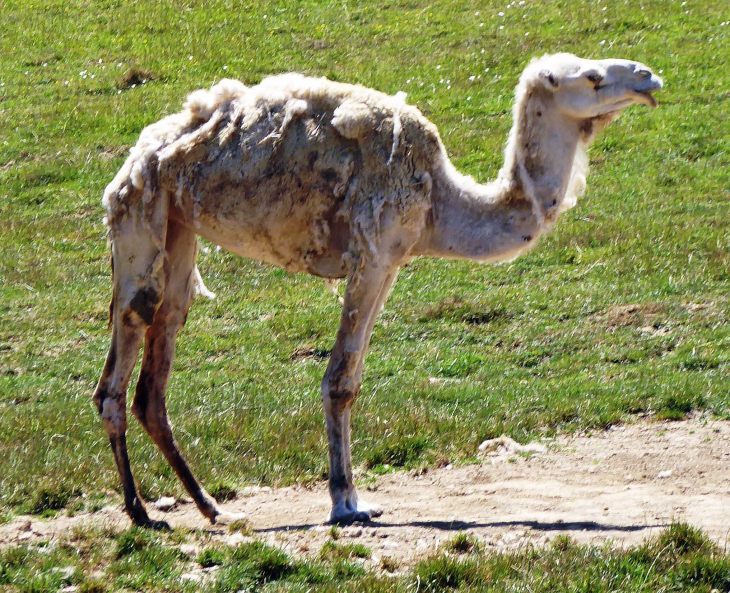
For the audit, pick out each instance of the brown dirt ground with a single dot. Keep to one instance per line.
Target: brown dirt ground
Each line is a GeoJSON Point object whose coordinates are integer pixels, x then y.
{"type": "Point", "coordinates": [593, 487]}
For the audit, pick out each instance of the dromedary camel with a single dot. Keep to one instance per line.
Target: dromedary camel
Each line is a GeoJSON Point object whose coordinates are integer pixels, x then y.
{"type": "Point", "coordinates": [338, 181]}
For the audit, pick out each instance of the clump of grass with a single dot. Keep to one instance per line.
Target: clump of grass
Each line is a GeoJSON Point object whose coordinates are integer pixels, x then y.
{"type": "Point", "coordinates": [222, 492]}
{"type": "Point", "coordinates": [132, 540]}
{"type": "Point", "coordinates": [334, 551]}
{"type": "Point", "coordinates": [440, 573]}
{"type": "Point", "coordinates": [334, 532]}
{"type": "Point", "coordinates": [51, 498]}
{"type": "Point", "coordinates": [682, 539]}
{"type": "Point", "coordinates": [676, 406]}
{"type": "Point", "coordinates": [211, 557]}
{"type": "Point", "coordinates": [397, 453]}
{"type": "Point", "coordinates": [242, 526]}
{"type": "Point", "coordinates": [562, 543]}
{"type": "Point", "coordinates": [463, 543]}
{"type": "Point", "coordinates": [92, 586]}
{"type": "Point", "coordinates": [389, 564]}
{"type": "Point", "coordinates": [457, 310]}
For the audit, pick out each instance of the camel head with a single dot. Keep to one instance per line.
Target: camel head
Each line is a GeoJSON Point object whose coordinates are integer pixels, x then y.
{"type": "Point", "coordinates": [584, 89]}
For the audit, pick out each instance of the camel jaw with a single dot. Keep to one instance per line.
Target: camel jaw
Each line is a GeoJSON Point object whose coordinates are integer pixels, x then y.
{"type": "Point", "coordinates": [647, 98]}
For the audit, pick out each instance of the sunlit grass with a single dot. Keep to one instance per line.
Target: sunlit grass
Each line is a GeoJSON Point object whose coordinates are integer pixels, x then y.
{"type": "Point", "coordinates": [623, 309]}
{"type": "Point", "coordinates": [679, 559]}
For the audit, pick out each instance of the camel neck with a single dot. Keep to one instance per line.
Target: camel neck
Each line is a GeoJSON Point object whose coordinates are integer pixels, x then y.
{"type": "Point", "coordinates": [500, 220]}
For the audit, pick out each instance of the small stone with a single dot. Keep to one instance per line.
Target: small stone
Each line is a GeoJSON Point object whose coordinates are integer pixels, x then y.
{"type": "Point", "coordinates": [664, 474]}
{"type": "Point", "coordinates": [165, 503]}
{"type": "Point", "coordinates": [66, 573]}
{"type": "Point", "coordinates": [189, 550]}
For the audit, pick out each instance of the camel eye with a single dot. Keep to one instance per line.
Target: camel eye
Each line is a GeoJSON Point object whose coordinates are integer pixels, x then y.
{"type": "Point", "coordinates": [595, 78]}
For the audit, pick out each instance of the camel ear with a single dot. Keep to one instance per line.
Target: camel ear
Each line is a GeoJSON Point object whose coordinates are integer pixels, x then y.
{"type": "Point", "coordinates": [548, 79]}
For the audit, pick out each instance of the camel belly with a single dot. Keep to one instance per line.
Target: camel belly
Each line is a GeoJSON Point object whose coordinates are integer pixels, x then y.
{"type": "Point", "coordinates": [276, 200]}
{"type": "Point", "coordinates": [301, 233]}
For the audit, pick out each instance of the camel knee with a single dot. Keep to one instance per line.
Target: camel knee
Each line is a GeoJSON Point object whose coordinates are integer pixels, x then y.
{"type": "Point", "coordinates": [339, 395]}
{"type": "Point", "coordinates": [111, 408]}
{"type": "Point", "coordinates": [341, 385]}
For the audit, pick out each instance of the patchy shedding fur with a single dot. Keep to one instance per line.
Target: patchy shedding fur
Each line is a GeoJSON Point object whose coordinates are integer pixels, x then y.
{"type": "Point", "coordinates": [338, 181]}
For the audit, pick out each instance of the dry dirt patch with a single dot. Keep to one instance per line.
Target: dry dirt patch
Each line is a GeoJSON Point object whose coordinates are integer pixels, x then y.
{"type": "Point", "coordinates": [623, 485]}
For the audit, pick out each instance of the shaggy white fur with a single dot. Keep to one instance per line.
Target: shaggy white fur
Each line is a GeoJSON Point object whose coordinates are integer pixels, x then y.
{"type": "Point", "coordinates": [334, 180]}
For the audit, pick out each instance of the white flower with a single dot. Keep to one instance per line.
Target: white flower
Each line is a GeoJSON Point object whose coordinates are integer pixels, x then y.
{"type": "Point", "coordinates": [500, 13]}
{"type": "Point", "coordinates": [468, 98]}
{"type": "Point", "coordinates": [119, 65]}
{"type": "Point", "coordinates": [438, 67]}
{"type": "Point", "coordinates": [602, 42]}
{"type": "Point", "coordinates": [526, 34]}
{"type": "Point", "coordinates": [472, 78]}
{"type": "Point", "coordinates": [501, 27]}
{"type": "Point", "coordinates": [225, 67]}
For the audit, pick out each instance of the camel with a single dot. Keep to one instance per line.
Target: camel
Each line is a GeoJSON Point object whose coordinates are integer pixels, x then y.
{"type": "Point", "coordinates": [338, 181]}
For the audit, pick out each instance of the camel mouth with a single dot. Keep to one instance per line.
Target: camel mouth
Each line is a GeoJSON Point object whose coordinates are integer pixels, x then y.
{"type": "Point", "coordinates": [650, 100]}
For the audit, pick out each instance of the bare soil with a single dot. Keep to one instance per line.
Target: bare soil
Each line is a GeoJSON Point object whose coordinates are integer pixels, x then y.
{"type": "Point", "coordinates": [623, 485]}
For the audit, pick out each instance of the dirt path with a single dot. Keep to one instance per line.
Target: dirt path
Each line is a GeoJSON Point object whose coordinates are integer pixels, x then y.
{"type": "Point", "coordinates": [623, 484]}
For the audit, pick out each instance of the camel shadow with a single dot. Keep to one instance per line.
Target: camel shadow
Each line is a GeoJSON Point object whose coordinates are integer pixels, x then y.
{"type": "Point", "coordinates": [465, 525]}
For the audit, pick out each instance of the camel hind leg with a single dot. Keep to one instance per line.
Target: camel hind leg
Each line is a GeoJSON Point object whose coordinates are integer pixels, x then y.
{"type": "Point", "coordinates": [149, 399]}
{"type": "Point", "coordinates": [139, 280]}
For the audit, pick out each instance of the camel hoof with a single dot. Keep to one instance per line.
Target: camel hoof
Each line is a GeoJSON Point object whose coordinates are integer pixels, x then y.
{"type": "Point", "coordinates": [226, 518]}
{"type": "Point", "coordinates": [349, 517]}
{"type": "Point", "coordinates": [371, 509]}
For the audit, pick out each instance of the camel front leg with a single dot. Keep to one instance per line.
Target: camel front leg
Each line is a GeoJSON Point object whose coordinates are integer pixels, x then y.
{"type": "Point", "coordinates": [341, 385]}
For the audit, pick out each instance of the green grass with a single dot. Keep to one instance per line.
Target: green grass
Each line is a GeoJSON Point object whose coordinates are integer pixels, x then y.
{"type": "Point", "coordinates": [529, 348]}
{"type": "Point", "coordinates": [679, 559]}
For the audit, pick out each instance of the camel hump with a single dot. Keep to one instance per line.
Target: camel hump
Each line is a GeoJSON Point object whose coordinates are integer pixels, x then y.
{"type": "Point", "coordinates": [203, 103]}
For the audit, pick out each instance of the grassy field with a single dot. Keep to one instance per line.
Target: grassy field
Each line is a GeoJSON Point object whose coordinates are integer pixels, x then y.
{"type": "Point", "coordinates": [679, 559]}
{"type": "Point", "coordinates": [622, 310]}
